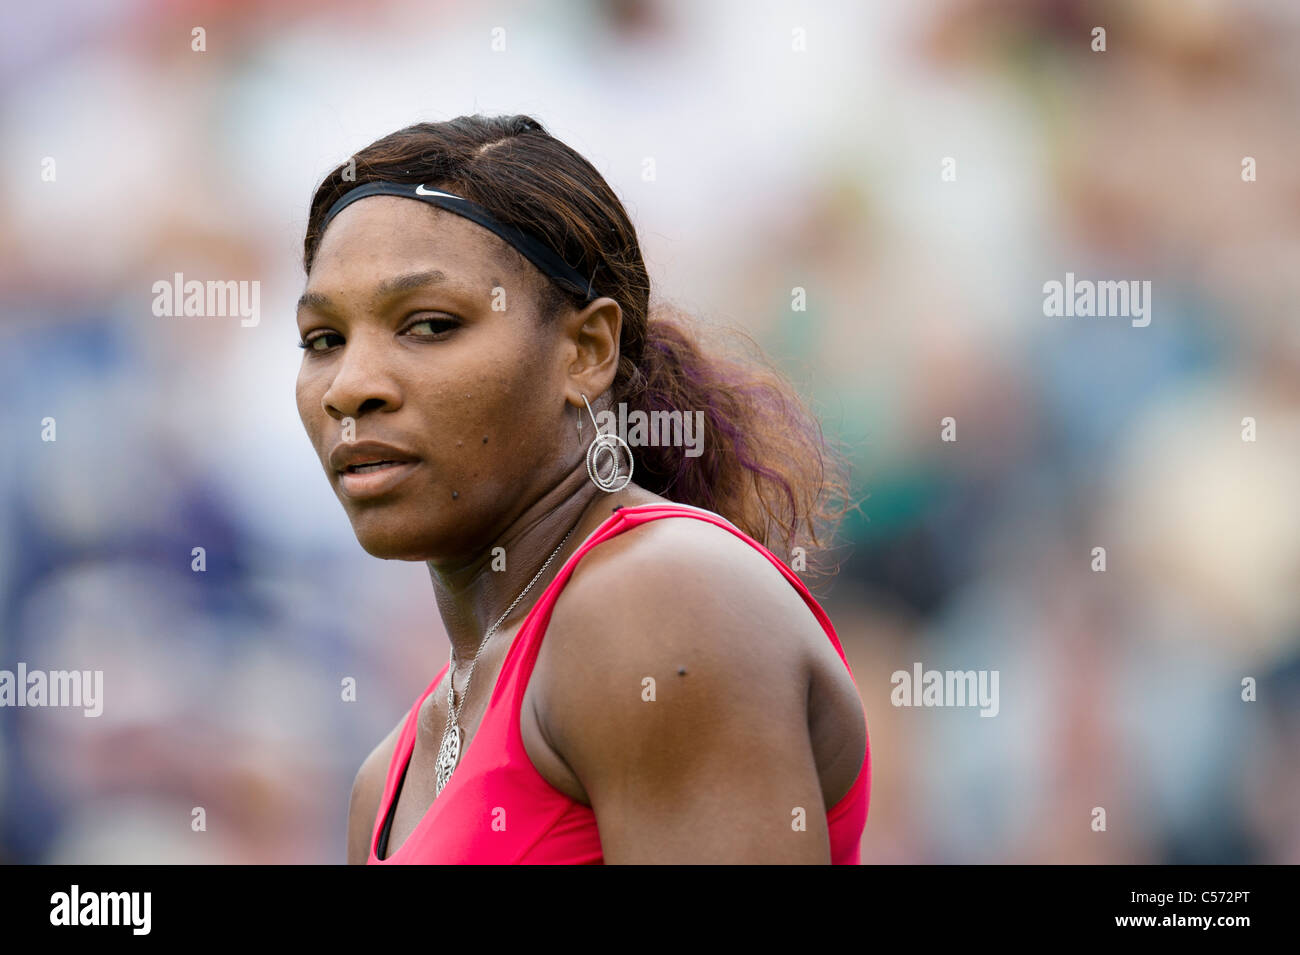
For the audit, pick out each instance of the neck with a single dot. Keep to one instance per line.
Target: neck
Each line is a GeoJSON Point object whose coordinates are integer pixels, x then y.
{"type": "Point", "coordinates": [472, 595]}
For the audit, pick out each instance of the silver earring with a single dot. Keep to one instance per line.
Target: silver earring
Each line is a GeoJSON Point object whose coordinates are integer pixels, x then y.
{"type": "Point", "coordinates": [609, 444]}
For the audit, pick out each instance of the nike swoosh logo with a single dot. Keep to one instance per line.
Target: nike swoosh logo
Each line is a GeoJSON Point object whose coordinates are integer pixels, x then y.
{"type": "Point", "coordinates": [421, 191]}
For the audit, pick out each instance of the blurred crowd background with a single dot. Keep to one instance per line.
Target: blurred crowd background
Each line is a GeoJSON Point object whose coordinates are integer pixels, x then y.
{"type": "Point", "coordinates": [774, 168]}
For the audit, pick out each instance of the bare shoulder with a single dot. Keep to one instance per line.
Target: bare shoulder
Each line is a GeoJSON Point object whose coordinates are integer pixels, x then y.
{"type": "Point", "coordinates": [680, 665]}
{"type": "Point", "coordinates": [367, 791]}
{"type": "Point", "coordinates": [686, 586]}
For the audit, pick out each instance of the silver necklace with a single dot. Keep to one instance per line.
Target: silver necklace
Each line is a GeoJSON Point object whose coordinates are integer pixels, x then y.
{"type": "Point", "coordinates": [449, 749]}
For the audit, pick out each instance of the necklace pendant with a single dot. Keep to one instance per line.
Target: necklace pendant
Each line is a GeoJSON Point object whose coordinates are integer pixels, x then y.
{"type": "Point", "coordinates": [448, 757]}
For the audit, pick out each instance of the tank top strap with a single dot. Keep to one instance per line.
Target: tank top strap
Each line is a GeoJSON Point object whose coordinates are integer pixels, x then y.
{"type": "Point", "coordinates": [398, 762]}
{"type": "Point", "coordinates": [522, 655]}
{"type": "Point", "coordinates": [523, 652]}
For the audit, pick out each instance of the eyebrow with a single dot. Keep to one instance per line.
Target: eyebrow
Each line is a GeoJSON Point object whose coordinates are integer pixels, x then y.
{"type": "Point", "coordinates": [387, 288]}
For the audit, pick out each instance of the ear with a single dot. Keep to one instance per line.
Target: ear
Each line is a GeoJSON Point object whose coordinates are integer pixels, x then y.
{"type": "Point", "coordinates": [591, 337]}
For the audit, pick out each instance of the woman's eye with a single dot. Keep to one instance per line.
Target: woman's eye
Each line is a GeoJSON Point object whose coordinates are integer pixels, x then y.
{"type": "Point", "coordinates": [314, 344]}
{"type": "Point", "coordinates": [432, 326]}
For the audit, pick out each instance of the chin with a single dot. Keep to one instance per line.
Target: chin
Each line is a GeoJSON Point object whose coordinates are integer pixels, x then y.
{"type": "Point", "coordinates": [390, 539]}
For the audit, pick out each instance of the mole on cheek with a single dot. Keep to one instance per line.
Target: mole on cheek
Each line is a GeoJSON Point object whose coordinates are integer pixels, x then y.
{"type": "Point", "coordinates": [485, 439]}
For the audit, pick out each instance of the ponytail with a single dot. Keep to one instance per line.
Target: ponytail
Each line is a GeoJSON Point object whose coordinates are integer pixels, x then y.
{"type": "Point", "coordinates": [762, 461]}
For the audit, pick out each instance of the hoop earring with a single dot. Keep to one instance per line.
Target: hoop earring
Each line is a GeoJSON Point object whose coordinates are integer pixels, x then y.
{"type": "Point", "coordinates": [609, 444]}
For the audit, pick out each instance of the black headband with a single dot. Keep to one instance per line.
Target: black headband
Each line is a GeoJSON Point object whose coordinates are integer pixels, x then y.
{"type": "Point", "coordinates": [532, 248]}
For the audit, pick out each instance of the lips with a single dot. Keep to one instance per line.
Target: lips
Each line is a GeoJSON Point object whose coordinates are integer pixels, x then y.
{"type": "Point", "coordinates": [369, 469]}
{"type": "Point", "coordinates": [360, 457]}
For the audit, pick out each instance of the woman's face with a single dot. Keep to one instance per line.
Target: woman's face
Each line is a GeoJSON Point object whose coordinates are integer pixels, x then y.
{"type": "Point", "coordinates": [423, 336]}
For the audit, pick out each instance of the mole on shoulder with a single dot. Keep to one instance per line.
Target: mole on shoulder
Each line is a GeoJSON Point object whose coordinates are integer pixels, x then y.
{"type": "Point", "coordinates": [681, 671]}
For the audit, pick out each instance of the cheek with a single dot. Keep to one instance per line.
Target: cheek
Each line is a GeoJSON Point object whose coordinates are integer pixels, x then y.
{"type": "Point", "coordinates": [460, 412]}
{"type": "Point", "coordinates": [514, 397]}
{"type": "Point", "coordinates": [502, 401]}
{"type": "Point", "coordinates": [307, 397]}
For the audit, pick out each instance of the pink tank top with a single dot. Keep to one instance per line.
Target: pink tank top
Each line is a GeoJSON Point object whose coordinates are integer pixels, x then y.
{"type": "Point", "coordinates": [497, 782]}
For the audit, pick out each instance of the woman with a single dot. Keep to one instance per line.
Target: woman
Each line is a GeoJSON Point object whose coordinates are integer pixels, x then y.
{"type": "Point", "coordinates": [476, 311]}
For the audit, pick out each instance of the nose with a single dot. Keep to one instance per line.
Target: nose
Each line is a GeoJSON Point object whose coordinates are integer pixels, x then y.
{"type": "Point", "coordinates": [362, 382]}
